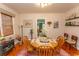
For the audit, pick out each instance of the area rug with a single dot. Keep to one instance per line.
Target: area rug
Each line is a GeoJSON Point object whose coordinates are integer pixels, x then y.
{"type": "Point", "coordinates": [64, 53]}
{"type": "Point", "coordinates": [24, 52]}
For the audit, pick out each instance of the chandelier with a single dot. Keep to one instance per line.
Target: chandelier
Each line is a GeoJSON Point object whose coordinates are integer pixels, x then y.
{"type": "Point", "coordinates": [42, 5]}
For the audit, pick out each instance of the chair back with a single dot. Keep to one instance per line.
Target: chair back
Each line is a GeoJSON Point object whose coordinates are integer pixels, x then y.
{"type": "Point", "coordinates": [74, 38]}
{"type": "Point", "coordinates": [26, 42]}
{"type": "Point", "coordinates": [60, 41]}
{"type": "Point", "coordinates": [66, 36]}
{"type": "Point", "coordinates": [45, 51]}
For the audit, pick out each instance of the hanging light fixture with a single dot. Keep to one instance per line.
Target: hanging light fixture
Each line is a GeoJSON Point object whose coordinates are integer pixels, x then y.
{"type": "Point", "coordinates": [42, 5]}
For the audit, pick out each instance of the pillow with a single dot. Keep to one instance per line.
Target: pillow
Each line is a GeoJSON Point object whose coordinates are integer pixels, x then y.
{"type": "Point", "coordinates": [4, 43]}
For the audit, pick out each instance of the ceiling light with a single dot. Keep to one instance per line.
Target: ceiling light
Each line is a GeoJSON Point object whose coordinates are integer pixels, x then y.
{"type": "Point", "coordinates": [42, 5]}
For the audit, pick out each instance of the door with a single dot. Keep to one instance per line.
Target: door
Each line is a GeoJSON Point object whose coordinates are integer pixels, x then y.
{"type": "Point", "coordinates": [40, 25]}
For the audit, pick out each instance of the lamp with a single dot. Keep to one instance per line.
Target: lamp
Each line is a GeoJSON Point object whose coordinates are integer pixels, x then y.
{"type": "Point", "coordinates": [43, 4]}
{"type": "Point", "coordinates": [49, 23]}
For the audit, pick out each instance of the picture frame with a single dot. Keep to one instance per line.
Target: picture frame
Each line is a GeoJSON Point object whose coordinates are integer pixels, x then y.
{"type": "Point", "coordinates": [27, 23]}
{"type": "Point", "coordinates": [56, 24]}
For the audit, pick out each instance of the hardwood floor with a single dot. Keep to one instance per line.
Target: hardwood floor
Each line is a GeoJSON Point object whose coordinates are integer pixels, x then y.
{"type": "Point", "coordinates": [18, 48]}
{"type": "Point", "coordinates": [72, 51]}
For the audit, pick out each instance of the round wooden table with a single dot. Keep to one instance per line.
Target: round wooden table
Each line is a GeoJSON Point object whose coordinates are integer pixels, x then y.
{"type": "Point", "coordinates": [44, 47]}
{"type": "Point", "coordinates": [37, 43]}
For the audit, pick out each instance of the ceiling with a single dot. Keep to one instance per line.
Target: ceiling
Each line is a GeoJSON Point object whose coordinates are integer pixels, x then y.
{"type": "Point", "coordinates": [32, 8]}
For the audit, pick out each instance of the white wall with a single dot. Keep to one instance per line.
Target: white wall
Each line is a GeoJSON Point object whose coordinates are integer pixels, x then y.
{"type": "Point", "coordinates": [73, 30]}
{"type": "Point", "coordinates": [52, 33]}
{"type": "Point", "coordinates": [18, 20]}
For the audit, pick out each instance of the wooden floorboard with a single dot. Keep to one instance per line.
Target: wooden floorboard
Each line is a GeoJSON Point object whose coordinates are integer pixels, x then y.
{"type": "Point", "coordinates": [72, 51]}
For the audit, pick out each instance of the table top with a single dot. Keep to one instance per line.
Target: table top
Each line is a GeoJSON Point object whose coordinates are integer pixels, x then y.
{"type": "Point", "coordinates": [37, 43]}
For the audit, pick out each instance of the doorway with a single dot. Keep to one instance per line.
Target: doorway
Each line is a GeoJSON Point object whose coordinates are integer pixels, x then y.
{"type": "Point", "coordinates": [40, 25]}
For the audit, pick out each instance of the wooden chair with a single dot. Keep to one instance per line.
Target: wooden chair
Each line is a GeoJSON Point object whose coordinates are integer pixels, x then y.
{"type": "Point", "coordinates": [27, 44]}
{"type": "Point", "coordinates": [66, 36]}
{"type": "Point", "coordinates": [26, 41]}
{"type": "Point", "coordinates": [19, 39]}
{"type": "Point", "coordinates": [44, 51]}
{"type": "Point", "coordinates": [60, 41]}
{"type": "Point", "coordinates": [74, 38]}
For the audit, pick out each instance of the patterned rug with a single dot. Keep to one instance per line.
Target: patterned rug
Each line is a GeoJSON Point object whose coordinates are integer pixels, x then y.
{"type": "Point", "coordinates": [24, 52]}
{"type": "Point", "coordinates": [63, 53]}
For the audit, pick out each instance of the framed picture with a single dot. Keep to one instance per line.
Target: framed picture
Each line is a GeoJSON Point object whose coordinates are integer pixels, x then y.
{"type": "Point", "coordinates": [56, 24]}
{"type": "Point", "coordinates": [27, 23]}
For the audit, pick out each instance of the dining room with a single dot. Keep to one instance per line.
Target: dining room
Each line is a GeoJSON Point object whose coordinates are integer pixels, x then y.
{"type": "Point", "coordinates": [43, 29]}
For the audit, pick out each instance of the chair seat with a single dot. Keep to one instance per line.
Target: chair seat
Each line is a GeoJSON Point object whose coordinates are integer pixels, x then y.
{"type": "Point", "coordinates": [71, 41]}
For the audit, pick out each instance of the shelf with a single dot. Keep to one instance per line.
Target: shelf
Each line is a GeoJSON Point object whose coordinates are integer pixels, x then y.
{"type": "Point", "coordinates": [71, 25]}
{"type": "Point", "coordinates": [72, 18]}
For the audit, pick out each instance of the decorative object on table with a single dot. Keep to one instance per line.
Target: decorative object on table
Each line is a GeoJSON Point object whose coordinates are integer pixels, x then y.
{"type": "Point", "coordinates": [42, 34]}
{"type": "Point", "coordinates": [49, 23]}
{"type": "Point", "coordinates": [27, 23]}
{"type": "Point", "coordinates": [43, 39]}
{"type": "Point", "coordinates": [56, 24]}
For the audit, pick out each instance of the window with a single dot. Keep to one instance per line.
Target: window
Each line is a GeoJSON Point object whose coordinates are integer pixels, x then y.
{"type": "Point", "coordinates": [7, 24]}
